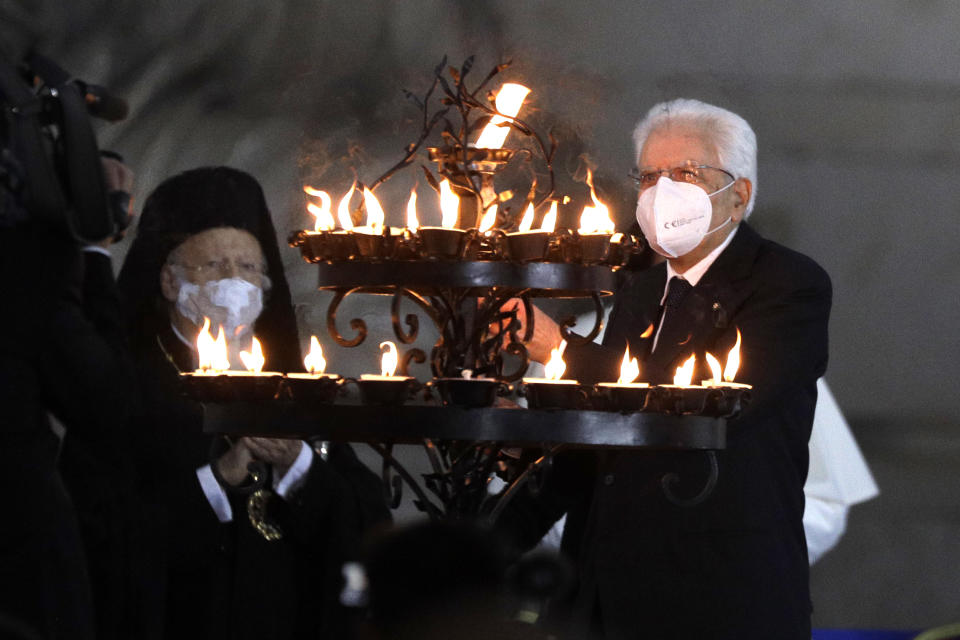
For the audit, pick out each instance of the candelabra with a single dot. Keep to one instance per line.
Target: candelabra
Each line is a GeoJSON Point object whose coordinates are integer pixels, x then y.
{"type": "Point", "coordinates": [470, 277]}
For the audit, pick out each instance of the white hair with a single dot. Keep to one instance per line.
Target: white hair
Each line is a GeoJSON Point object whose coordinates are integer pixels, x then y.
{"type": "Point", "coordinates": [735, 141]}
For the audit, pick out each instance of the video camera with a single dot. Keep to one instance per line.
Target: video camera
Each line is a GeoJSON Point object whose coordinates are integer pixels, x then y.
{"type": "Point", "coordinates": [50, 167]}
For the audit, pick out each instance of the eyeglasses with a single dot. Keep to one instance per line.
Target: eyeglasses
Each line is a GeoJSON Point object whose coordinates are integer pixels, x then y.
{"type": "Point", "coordinates": [251, 271]}
{"type": "Point", "coordinates": [691, 172]}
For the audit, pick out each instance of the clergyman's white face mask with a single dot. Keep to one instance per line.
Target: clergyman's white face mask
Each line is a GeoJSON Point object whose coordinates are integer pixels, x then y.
{"type": "Point", "coordinates": [233, 303]}
{"type": "Point", "coordinates": [675, 216]}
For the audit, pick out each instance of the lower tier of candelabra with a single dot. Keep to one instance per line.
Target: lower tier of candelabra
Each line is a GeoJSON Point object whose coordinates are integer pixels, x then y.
{"type": "Point", "coordinates": [508, 426]}
{"type": "Point", "coordinates": [469, 449]}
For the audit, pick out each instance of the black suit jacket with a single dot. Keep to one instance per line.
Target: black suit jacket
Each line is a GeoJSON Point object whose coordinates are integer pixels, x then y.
{"type": "Point", "coordinates": [734, 566]}
{"type": "Point", "coordinates": [62, 352]}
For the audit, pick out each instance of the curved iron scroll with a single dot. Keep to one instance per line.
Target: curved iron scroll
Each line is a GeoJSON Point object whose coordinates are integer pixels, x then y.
{"type": "Point", "coordinates": [411, 319]}
{"type": "Point", "coordinates": [517, 349]}
{"type": "Point", "coordinates": [356, 324]}
{"type": "Point", "coordinates": [492, 327]}
{"type": "Point", "coordinates": [541, 463]}
{"type": "Point", "coordinates": [422, 502]}
{"type": "Point", "coordinates": [441, 467]}
{"type": "Point", "coordinates": [670, 479]}
{"type": "Point", "coordinates": [392, 485]}
{"type": "Point", "coordinates": [417, 355]}
{"type": "Point", "coordinates": [568, 323]}
{"type": "Point", "coordinates": [528, 316]}
{"type": "Point", "coordinates": [490, 343]}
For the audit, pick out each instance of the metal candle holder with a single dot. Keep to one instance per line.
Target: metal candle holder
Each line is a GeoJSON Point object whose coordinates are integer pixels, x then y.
{"type": "Point", "coordinates": [528, 246]}
{"type": "Point", "coordinates": [231, 386]}
{"type": "Point", "coordinates": [469, 392]}
{"type": "Point", "coordinates": [446, 244]}
{"type": "Point", "coordinates": [471, 172]}
{"type": "Point", "coordinates": [718, 402]}
{"type": "Point", "coordinates": [555, 394]}
{"type": "Point", "coordinates": [312, 388]}
{"type": "Point", "coordinates": [386, 391]}
{"type": "Point", "coordinates": [625, 398]}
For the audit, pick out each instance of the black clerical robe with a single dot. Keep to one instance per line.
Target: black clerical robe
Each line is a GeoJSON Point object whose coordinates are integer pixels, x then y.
{"type": "Point", "coordinates": [225, 580]}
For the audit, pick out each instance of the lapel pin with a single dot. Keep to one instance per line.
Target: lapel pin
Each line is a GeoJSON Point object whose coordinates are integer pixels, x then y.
{"type": "Point", "coordinates": [719, 316]}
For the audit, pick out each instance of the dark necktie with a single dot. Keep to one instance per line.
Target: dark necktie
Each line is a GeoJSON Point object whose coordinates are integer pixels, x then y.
{"type": "Point", "coordinates": [677, 290]}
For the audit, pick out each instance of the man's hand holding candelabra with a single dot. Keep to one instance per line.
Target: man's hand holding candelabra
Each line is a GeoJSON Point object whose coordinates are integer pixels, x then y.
{"type": "Point", "coordinates": [281, 453]}
{"type": "Point", "coordinates": [546, 332]}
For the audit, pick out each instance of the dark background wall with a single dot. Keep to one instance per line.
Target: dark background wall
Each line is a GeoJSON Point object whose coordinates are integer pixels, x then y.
{"type": "Point", "coordinates": [856, 107]}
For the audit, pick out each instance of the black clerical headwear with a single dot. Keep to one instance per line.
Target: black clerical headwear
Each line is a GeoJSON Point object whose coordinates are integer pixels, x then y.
{"type": "Point", "coordinates": [187, 204]}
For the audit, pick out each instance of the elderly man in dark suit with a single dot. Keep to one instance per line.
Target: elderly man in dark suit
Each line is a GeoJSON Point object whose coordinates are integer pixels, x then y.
{"type": "Point", "coordinates": [735, 564]}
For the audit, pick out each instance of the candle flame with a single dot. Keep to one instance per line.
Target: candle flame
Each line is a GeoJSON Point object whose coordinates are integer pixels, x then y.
{"type": "Point", "coordinates": [527, 222]}
{"type": "Point", "coordinates": [323, 213]}
{"type": "Point", "coordinates": [629, 368]}
{"type": "Point", "coordinates": [343, 209]}
{"type": "Point", "coordinates": [253, 360]}
{"type": "Point", "coordinates": [314, 361]}
{"type": "Point", "coordinates": [556, 366]}
{"type": "Point", "coordinates": [715, 370]}
{"type": "Point", "coordinates": [595, 218]}
{"type": "Point", "coordinates": [449, 205]}
{"type": "Point", "coordinates": [212, 354]}
{"type": "Point", "coordinates": [647, 332]}
{"type": "Point", "coordinates": [733, 361]}
{"type": "Point", "coordinates": [375, 215]}
{"type": "Point", "coordinates": [412, 222]}
{"type": "Point", "coordinates": [684, 375]}
{"type": "Point", "coordinates": [509, 100]}
{"type": "Point", "coordinates": [489, 218]}
{"type": "Point", "coordinates": [389, 361]}
{"type": "Point", "coordinates": [550, 219]}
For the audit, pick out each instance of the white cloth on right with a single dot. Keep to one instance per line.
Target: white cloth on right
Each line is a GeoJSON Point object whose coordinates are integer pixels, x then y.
{"type": "Point", "coordinates": [838, 477]}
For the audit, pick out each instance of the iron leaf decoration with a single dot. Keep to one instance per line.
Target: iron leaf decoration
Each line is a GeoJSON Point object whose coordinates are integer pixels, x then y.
{"type": "Point", "coordinates": [475, 108]}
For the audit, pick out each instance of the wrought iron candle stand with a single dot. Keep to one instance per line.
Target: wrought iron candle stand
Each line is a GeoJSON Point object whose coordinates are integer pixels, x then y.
{"type": "Point", "coordinates": [467, 441]}
{"type": "Point", "coordinates": [463, 299]}
{"type": "Point", "coordinates": [463, 280]}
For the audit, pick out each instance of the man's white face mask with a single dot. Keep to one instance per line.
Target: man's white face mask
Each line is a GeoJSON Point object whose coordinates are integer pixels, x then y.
{"type": "Point", "coordinates": [233, 303]}
{"type": "Point", "coordinates": [675, 216]}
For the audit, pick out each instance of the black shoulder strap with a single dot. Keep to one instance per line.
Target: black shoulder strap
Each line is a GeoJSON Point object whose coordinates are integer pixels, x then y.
{"type": "Point", "coordinates": [30, 171]}
{"type": "Point", "coordinates": [81, 156]}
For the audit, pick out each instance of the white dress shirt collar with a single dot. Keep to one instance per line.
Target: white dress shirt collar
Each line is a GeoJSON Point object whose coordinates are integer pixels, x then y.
{"type": "Point", "coordinates": [694, 273]}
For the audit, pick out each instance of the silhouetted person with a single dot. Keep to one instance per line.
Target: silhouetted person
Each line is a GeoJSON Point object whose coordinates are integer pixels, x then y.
{"type": "Point", "coordinates": [440, 580]}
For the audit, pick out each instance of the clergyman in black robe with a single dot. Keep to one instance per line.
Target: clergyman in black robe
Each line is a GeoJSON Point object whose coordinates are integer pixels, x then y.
{"type": "Point", "coordinates": [224, 578]}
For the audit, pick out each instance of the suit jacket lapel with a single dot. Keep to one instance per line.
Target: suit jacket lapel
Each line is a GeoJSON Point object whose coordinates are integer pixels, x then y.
{"type": "Point", "coordinates": [676, 341]}
{"type": "Point", "coordinates": [708, 307]}
{"type": "Point", "coordinates": [638, 307]}
{"type": "Point", "coordinates": [736, 261]}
